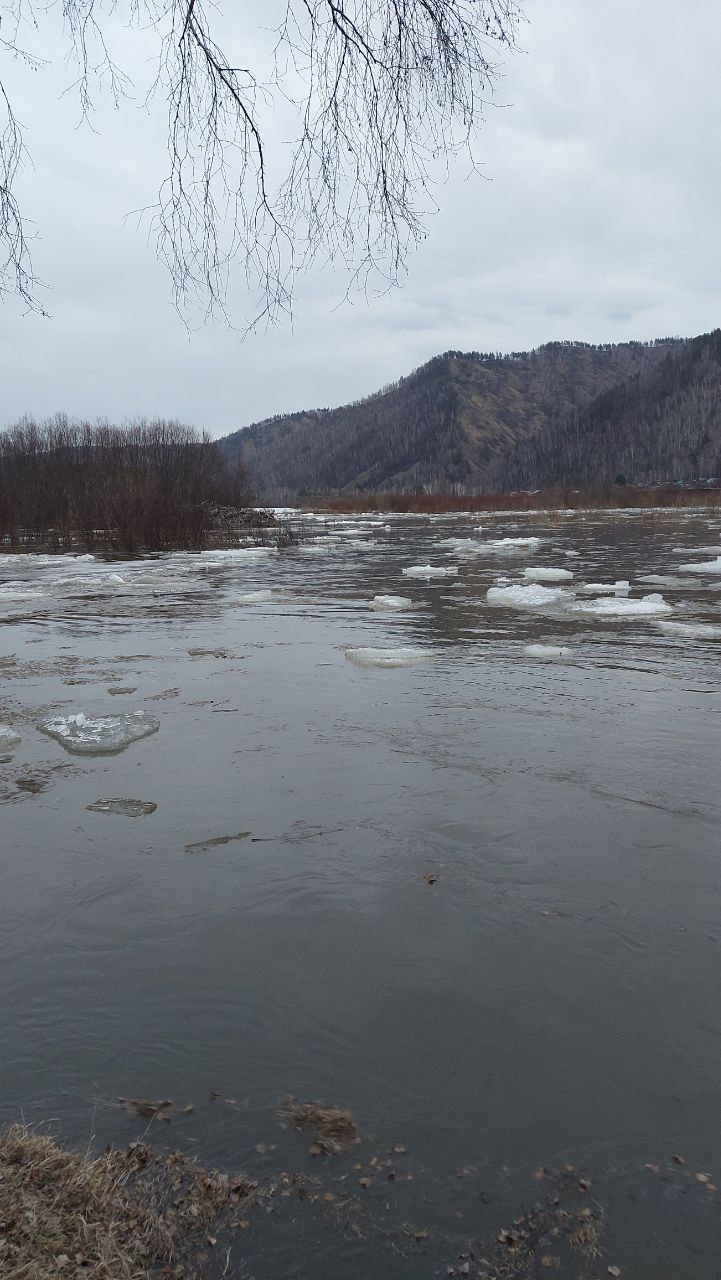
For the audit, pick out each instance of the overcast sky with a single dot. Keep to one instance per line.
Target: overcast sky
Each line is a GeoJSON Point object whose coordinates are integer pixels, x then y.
{"type": "Point", "coordinates": [600, 221]}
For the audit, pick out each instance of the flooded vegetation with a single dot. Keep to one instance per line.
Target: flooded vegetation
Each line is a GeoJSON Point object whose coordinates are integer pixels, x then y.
{"type": "Point", "coordinates": [416, 919]}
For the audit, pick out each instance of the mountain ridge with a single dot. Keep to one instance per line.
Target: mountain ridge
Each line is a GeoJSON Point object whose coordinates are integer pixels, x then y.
{"type": "Point", "coordinates": [471, 420]}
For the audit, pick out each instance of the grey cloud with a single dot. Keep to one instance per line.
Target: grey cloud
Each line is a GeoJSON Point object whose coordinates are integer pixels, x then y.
{"type": "Point", "coordinates": [599, 223]}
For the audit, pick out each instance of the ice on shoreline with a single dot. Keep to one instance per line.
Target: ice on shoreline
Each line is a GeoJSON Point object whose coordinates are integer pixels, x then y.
{"type": "Point", "coordinates": [388, 658]}
{"type": "Point", "coordinates": [104, 735]}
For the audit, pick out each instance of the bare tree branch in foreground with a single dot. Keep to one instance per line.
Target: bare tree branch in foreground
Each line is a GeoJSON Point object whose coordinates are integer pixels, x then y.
{"type": "Point", "coordinates": [379, 92]}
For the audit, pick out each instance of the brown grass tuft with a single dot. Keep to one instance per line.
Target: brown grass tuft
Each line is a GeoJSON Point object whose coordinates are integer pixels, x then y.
{"type": "Point", "coordinates": [333, 1128]}
{"type": "Point", "coordinates": [123, 1215]}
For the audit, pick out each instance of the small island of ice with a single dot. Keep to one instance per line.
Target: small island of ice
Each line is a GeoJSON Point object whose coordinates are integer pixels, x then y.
{"type": "Point", "coordinates": [528, 597]}
{"type": "Point", "coordinates": [514, 544]}
{"type": "Point", "coordinates": [547, 652]}
{"type": "Point", "coordinates": [622, 607]}
{"type": "Point", "coordinates": [104, 735]}
{"type": "Point", "coordinates": [703, 566]}
{"type": "Point", "coordinates": [9, 739]}
{"type": "Point", "coordinates": [388, 658]}
{"type": "Point", "coordinates": [390, 603]}
{"type": "Point", "coordinates": [429, 571]}
{"type": "Point", "coordinates": [547, 575]}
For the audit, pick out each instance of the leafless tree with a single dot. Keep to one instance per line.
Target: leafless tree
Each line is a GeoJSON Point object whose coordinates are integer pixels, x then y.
{"type": "Point", "coordinates": [150, 485]}
{"type": "Point", "coordinates": [381, 92]}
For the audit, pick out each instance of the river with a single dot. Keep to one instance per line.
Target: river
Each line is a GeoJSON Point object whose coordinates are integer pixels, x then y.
{"type": "Point", "coordinates": [475, 898]}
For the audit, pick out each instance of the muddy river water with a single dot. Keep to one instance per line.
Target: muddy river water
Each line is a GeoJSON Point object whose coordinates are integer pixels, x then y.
{"type": "Point", "coordinates": [474, 895]}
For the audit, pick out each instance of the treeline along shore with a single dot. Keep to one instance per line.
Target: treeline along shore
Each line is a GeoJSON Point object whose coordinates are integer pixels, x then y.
{"type": "Point", "coordinates": [154, 485]}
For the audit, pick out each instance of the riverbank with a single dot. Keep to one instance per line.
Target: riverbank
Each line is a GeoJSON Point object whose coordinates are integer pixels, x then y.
{"type": "Point", "coordinates": [122, 1215]}
{"type": "Point", "coordinates": [546, 501]}
{"type": "Point", "coordinates": [135, 1213]}
{"type": "Point", "coordinates": [218, 529]}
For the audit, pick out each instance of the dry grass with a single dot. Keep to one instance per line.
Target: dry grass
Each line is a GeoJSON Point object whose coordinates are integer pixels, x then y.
{"type": "Point", "coordinates": [123, 1215]}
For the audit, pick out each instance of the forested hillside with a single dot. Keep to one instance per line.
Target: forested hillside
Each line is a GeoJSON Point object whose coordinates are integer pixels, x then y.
{"type": "Point", "coordinates": [468, 421]}
{"type": "Point", "coordinates": [662, 424]}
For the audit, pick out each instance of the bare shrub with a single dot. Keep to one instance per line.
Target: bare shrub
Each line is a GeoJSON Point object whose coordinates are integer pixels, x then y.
{"type": "Point", "coordinates": [154, 485]}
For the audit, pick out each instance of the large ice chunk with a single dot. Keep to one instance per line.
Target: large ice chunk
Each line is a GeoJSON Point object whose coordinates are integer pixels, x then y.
{"type": "Point", "coordinates": [462, 546]}
{"type": "Point", "coordinates": [99, 736]}
{"type": "Point", "coordinates": [605, 588]}
{"type": "Point", "coordinates": [390, 603]}
{"type": "Point", "coordinates": [663, 580]}
{"type": "Point", "coordinates": [548, 575]}
{"type": "Point", "coordinates": [429, 571]}
{"type": "Point", "coordinates": [531, 597]}
{"type": "Point", "coordinates": [387, 657]}
{"type": "Point", "coordinates": [127, 808]}
{"type": "Point", "coordinates": [9, 738]}
{"type": "Point", "coordinates": [547, 652]}
{"type": "Point", "coordinates": [19, 591]}
{"type": "Point", "coordinates": [703, 566]}
{"type": "Point", "coordinates": [231, 554]}
{"type": "Point", "coordinates": [621, 607]}
{"type": "Point", "coordinates": [514, 544]}
{"type": "Point", "coordinates": [692, 630]}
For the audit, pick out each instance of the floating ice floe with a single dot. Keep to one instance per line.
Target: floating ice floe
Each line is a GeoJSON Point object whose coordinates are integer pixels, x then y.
{"type": "Point", "coordinates": [548, 575]}
{"type": "Point", "coordinates": [697, 551]}
{"type": "Point", "coordinates": [235, 553]}
{"type": "Point", "coordinates": [662, 580]}
{"type": "Point", "coordinates": [692, 630]}
{"type": "Point", "coordinates": [703, 566]}
{"type": "Point", "coordinates": [18, 591]}
{"type": "Point", "coordinates": [390, 603]}
{"type": "Point", "coordinates": [105, 735]}
{"type": "Point", "coordinates": [430, 571]}
{"type": "Point", "coordinates": [463, 546]}
{"type": "Point", "coordinates": [32, 558]}
{"type": "Point", "coordinates": [254, 597]}
{"type": "Point", "coordinates": [9, 739]}
{"type": "Point", "coordinates": [605, 588]}
{"type": "Point", "coordinates": [530, 597]}
{"type": "Point", "coordinates": [387, 657]}
{"type": "Point", "coordinates": [126, 808]}
{"type": "Point", "coordinates": [622, 607]}
{"type": "Point", "coordinates": [547, 652]}
{"type": "Point", "coordinates": [514, 544]}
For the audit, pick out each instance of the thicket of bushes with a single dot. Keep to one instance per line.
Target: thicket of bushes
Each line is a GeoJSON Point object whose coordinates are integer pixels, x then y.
{"type": "Point", "coordinates": [153, 485]}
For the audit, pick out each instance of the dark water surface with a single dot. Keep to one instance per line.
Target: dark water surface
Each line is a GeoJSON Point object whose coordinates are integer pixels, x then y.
{"type": "Point", "coordinates": [555, 996]}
